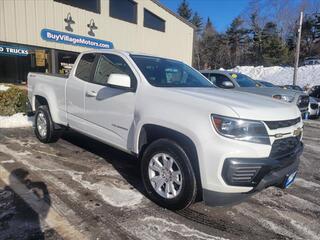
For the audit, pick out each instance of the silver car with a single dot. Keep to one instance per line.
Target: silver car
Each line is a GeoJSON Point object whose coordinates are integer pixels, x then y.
{"type": "Point", "coordinates": [243, 83]}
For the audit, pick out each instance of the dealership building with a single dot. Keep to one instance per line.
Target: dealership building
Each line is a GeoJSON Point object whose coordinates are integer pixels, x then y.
{"type": "Point", "coordinates": [47, 35]}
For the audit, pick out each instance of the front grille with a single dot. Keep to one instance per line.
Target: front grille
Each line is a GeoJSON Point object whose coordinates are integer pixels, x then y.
{"type": "Point", "coordinates": [314, 106]}
{"type": "Point", "coordinates": [303, 101]}
{"type": "Point", "coordinates": [282, 124]}
{"type": "Point", "coordinates": [284, 146]}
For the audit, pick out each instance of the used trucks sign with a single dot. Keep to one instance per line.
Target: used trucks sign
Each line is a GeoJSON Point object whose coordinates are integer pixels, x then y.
{"type": "Point", "coordinates": [73, 39]}
{"type": "Point", "coordinates": [13, 50]}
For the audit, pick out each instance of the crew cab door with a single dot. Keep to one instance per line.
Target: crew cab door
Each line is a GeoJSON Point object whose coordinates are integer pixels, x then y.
{"type": "Point", "coordinates": [109, 111]}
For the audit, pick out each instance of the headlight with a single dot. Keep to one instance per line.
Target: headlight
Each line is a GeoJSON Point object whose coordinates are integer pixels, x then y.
{"type": "Point", "coordinates": [283, 97]}
{"type": "Point", "coordinates": [244, 130]}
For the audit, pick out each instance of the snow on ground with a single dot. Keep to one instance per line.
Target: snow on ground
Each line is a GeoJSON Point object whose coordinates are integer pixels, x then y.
{"type": "Point", "coordinates": [3, 87]}
{"type": "Point", "coordinates": [282, 75]}
{"type": "Point", "coordinates": [16, 120]}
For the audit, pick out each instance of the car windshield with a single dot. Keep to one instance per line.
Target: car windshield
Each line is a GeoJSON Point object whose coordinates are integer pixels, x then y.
{"type": "Point", "coordinates": [243, 80]}
{"type": "Point", "coordinates": [161, 72]}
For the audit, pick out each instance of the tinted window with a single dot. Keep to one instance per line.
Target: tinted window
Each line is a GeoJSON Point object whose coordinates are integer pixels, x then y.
{"type": "Point", "coordinates": [315, 92]}
{"type": "Point", "coordinates": [125, 10]}
{"type": "Point", "coordinates": [108, 64]}
{"type": "Point", "coordinates": [163, 72]}
{"type": "Point", "coordinates": [153, 21]}
{"type": "Point", "coordinates": [85, 66]}
{"type": "Point", "coordinates": [267, 84]}
{"type": "Point", "coordinates": [218, 79]}
{"type": "Point", "coordinates": [90, 5]}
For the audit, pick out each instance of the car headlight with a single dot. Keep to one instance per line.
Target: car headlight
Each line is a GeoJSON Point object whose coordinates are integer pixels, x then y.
{"type": "Point", "coordinates": [239, 129]}
{"type": "Point", "coordinates": [283, 97]}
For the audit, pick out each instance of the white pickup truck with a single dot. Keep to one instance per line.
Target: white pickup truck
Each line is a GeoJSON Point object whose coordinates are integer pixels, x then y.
{"type": "Point", "coordinates": [192, 138]}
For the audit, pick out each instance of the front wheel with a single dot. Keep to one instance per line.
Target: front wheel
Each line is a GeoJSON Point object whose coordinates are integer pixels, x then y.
{"type": "Point", "coordinates": [167, 175]}
{"type": "Point", "coordinates": [44, 126]}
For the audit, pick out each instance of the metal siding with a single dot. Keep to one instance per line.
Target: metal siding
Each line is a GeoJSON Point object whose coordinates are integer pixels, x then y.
{"type": "Point", "coordinates": [22, 20]}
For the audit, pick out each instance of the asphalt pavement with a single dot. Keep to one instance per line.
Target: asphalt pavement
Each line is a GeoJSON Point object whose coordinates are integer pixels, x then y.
{"type": "Point", "coordinates": [79, 188]}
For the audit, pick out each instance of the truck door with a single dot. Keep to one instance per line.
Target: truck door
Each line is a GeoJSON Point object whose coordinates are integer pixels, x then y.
{"type": "Point", "coordinates": [75, 89]}
{"type": "Point", "coordinates": [110, 111]}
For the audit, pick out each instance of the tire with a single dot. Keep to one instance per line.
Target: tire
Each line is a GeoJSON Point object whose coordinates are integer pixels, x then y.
{"type": "Point", "coordinates": [44, 126]}
{"type": "Point", "coordinates": [182, 195]}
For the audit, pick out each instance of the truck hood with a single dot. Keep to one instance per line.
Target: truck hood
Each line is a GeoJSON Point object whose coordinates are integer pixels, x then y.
{"type": "Point", "coordinates": [245, 105]}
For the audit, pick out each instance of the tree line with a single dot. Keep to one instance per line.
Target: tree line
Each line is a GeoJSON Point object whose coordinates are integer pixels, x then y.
{"type": "Point", "coordinates": [259, 39]}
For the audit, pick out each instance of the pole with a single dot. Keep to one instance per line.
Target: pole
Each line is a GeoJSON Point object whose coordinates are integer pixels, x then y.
{"type": "Point", "coordinates": [296, 65]}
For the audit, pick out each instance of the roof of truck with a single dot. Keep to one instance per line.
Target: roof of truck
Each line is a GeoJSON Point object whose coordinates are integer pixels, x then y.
{"type": "Point", "coordinates": [125, 53]}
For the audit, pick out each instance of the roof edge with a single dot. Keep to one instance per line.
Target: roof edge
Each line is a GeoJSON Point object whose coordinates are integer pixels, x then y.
{"type": "Point", "coordinates": [174, 14]}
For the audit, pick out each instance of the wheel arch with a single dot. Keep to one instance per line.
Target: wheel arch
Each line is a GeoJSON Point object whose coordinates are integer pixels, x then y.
{"type": "Point", "coordinates": [151, 132]}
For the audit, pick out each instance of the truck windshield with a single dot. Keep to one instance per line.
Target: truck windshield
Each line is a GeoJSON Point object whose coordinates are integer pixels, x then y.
{"type": "Point", "coordinates": [243, 80]}
{"type": "Point", "coordinates": [161, 72]}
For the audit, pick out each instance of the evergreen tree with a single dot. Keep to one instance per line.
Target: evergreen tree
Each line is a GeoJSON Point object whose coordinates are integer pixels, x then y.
{"type": "Point", "coordinates": [197, 21]}
{"type": "Point", "coordinates": [256, 40]}
{"type": "Point", "coordinates": [184, 10]}
{"type": "Point", "coordinates": [274, 51]}
{"type": "Point", "coordinates": [208, 46]}
{"type": "Point", "coordinates": [238, 41]}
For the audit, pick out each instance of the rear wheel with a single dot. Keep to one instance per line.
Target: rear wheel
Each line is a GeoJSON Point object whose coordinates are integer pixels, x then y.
{"type": "Point", "coordinates": [44, 126]}
{"type": "Point", "coordinates": [167, 175]}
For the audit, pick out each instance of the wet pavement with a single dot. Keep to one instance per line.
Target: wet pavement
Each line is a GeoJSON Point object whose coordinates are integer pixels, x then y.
{"type": "Point", "coordinates": [97, 192]}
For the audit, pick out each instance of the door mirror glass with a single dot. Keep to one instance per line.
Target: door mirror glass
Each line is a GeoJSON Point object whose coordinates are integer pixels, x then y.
{"type": "Point", "coordinates": [227, 84]}
{"type": "Point", "coordinates": [122, 81]}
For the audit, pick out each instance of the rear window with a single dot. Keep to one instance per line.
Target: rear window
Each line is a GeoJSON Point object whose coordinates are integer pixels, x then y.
{"type": "Point", "coordinates": [243, 80]}
{"type": "Point", "coordinates": [84, 67]}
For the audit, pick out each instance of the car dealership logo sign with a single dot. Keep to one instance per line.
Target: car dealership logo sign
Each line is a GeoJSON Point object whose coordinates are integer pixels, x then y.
{"type": "Point", "coordinates": [73, 39]}
{"type": "Point", "coordinates": [13, 50]}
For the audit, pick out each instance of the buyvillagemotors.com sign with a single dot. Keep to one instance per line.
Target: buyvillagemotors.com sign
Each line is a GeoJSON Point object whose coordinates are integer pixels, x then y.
{"type": "Point", "coordinates": [73, 39]}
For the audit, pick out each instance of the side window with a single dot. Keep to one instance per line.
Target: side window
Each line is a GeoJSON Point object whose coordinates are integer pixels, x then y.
{"type": "Point", "coordinates": [109, 64]}
{"type": "Point", "coordinates": [84, 67]}
{"type": "Point", "coordinates": [218, 79]}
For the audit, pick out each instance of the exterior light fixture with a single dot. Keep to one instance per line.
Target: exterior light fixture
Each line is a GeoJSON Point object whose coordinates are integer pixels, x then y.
{"type": "Point", "coordinates": [68, 20]}
{"type": "Point", "coordinates": [92, 26]}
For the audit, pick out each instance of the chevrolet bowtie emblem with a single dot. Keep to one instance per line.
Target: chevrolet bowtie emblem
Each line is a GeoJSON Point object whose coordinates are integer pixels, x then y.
{"type": "Point", "coordinates": [279, 135]}
{"type": "Point", "coordinates": [297, 132]}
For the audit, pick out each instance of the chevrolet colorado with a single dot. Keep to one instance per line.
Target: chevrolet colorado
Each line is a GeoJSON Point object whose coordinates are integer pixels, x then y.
{"type": "Point", "coordinates": [192, 138]}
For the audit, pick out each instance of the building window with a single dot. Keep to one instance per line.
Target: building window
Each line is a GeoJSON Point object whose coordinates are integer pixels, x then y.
{"type": "Point", "coordinates": [125, 10]}
{"type": "Point", "coordinates": [153, 21]}
{"type": "Point", "coordinates": [84, 67]}
{"type": "Point", "coordinates": [90, 5]}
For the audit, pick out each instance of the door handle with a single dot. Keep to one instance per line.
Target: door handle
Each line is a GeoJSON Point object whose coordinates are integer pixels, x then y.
{"type": "Point", "coordinates": [91, 94]}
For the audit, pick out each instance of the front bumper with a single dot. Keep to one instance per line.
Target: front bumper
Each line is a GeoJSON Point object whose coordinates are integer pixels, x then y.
{"type": "Point", "coordinates": [271, 172]}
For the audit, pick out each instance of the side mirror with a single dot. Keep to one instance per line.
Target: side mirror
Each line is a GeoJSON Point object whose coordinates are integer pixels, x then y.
{"type": "Point", "coordinates": [227, 84]}
{"type": "Point", "coordinates": [121, 81]}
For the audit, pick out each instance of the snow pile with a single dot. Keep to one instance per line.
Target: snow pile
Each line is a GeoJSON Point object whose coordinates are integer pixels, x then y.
{"type": "Point", "coordinates": [15, 121]}
{"type": "Point", "coordinates": [3, 88]}
{"type": "Point", "coordinates": [282, 75]}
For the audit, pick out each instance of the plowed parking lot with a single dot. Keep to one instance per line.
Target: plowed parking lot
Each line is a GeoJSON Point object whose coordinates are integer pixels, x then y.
{"type": "Point", "coordinates": [80, 188]}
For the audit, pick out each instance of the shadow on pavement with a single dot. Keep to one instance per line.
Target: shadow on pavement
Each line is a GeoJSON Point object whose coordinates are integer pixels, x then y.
{"type": "Point", "coordinates": [17, 219]}
{"type": "Point", "coordinates": [126, 165]}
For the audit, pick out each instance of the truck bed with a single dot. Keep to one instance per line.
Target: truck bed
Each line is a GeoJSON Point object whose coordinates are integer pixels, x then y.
{"type": "Point", "coordinates": [51, 87]}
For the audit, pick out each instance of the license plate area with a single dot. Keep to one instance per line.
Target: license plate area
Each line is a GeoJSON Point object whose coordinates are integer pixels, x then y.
{"type": "Point", "coordinates": [289, 180]}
